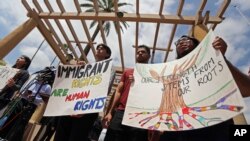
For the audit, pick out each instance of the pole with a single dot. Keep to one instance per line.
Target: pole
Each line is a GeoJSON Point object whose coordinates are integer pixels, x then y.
{"type": "Point", "coordinates": [37, 50]}
{"type": "Point", "coordinates": [242, 15]}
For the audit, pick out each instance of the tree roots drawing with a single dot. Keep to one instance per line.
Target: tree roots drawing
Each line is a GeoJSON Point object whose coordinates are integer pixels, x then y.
{"type": "Point", "coordinates": [166, 118]}
{"type": "Point", "coordinates": [173, 111]}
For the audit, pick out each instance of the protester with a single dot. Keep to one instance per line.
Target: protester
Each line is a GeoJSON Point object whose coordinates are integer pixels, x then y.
{"type": "Point", "coordinates": [49, 124]}
{"type": "Point", "coordinates": [14, 84]}
{"type": "Point", "coordinates": [21, 108]}
{"type": "Point", "coordinates": [77, 127]}
{"type": "Point", "coordinates": [219, 132]}
{"type": "Point", "coordinates": [38, 91]}
{"type": "Point", "coordinates": [116, 131]}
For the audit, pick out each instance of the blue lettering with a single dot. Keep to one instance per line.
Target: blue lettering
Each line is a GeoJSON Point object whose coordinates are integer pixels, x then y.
{"type": "Point", "coordinates": [92, 103]}
{"type": "Point", "coordinates": [96, 103]}
{"type": "Point", "coordinates": [78, 105]}
{"type": "Point", "coordinates": [84, 105]}
{"type": "Point", "coordinates": [100, 103]}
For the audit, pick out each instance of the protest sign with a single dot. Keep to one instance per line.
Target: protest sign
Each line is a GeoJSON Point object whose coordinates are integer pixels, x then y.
{"type": "Point", "coordinates": [193, 92]}
{"type": "Point", "coordinates": [79, 89]}
{"type": "Point", "coordinates": [5, 74]}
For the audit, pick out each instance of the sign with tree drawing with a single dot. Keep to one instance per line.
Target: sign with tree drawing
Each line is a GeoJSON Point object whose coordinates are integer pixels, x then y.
{"type": "Point", "coordinates": [79, 89]}
{"type": "Point", "coordinates": [193, 92]}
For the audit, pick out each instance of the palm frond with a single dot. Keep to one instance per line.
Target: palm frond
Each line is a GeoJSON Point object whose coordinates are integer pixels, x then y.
{"type": "Point", "coordinates": [115, 25]}
{"type": "Point", "coordinates": [121, 29]}
{"type": "Point", "coordinates": [90, 10]}
{"type": "Point", "coordinates": [101, 5]}
{"type": "Point", "coordinates": [93, 23]}
{"type": "Point", "coordinates": [110, 4]}
{"type": "Point", "coordinates": [125, 24]}
{"type": "Point", "coordinates": [106, 6]}
{"type": "Point", "coordinates": [110, 1]}
{"type": "Point", "coordinates": [107, 28]}
{"type": "Point", "coordinates": [105, 3]}
{"type": "Point", "coordinates": [86, 5]}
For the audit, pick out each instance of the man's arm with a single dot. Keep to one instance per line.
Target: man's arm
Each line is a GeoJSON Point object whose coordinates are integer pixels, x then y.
{"type": "Point", "coordinates": [116, 97]}
{"type": "Point", "coordinates": [241, 79]}
{"type": "Point", "coordinates": [114, 103]}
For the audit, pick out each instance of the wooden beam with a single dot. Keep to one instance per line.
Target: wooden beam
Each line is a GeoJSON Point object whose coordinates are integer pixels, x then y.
{"type": "Point", "coordinates": [100, 23]}
{"type": "Point", "coordinates": [200, 31]}
{"type": "Point", "coordinates": [51, 29]}
{"type": "Point", "coordinates": [11, 40]}
{"type": "Point", "coordinates": [156, 33]}
{"type": "Point", "coordinates": [82, 42]}
{"type": "Point", "coordinates": [85, 27]}
{"type": "Point", "coordinates": [48, 36]}
{"type": "Point", "coordinates": [179, 11]}
{"type": "Point", "coordinates": [137, 6]}
{"type": "Point", "coordinates": [221, 11]}
{"type": "Point", "coordinates": [72, 30]}
{"type": "Point", "coordinates": [60, 27]}
{"type": "Point", "coordinates": [199, 18]}
{"type": "Point", "coordinates": [137, 28]}
{"type": "Point", "coordinates": [136, 38]}
{"type": "Point", "coordinates": [119, 36]}
{"type": "Point", "coordinates": [129, 17]}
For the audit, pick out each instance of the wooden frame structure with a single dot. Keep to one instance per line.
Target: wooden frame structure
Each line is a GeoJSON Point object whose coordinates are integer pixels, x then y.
{"type": "Point", "coordinates": [199, 24]}
{"type": "Point", "coordinates": [42, 13]}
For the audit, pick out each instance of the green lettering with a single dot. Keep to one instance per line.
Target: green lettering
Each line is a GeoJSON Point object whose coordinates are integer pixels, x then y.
{"type": "Point", "coordinates": [60, 92]}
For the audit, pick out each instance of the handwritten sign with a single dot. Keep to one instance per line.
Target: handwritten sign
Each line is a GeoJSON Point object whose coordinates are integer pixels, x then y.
{"type": "Point", "coordinates": [193, 92]}
{"type": "Point", "coordinates": [5, 74]}
{"type": "Point", "coordinates": [79, 89]}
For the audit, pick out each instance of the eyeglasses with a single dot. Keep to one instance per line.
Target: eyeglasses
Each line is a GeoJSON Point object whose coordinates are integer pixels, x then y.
{"type": "Point", "coordinates": [183, 40]}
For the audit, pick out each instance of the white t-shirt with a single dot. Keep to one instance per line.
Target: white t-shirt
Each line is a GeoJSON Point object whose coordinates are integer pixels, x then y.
{"type": "Point", "coordinates": [45, 90]}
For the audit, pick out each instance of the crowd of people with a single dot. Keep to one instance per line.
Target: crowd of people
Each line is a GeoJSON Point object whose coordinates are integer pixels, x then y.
{"type": "Point", "coordinates": [21, 106]}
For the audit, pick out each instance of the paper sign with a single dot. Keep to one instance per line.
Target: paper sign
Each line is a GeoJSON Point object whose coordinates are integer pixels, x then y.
{"type": "Point", "coordinates": [193, 92]}
{"type": "Point", "coordinates": [79, 89]}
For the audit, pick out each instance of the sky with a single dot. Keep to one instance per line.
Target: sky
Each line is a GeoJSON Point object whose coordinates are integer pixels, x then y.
{"type": "Point", "coordinates": [235, 30]}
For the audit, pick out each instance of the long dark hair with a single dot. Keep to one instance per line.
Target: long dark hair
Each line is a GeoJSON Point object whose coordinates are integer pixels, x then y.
{"type": "Point", "coordinates": [27, 63]}
{"type": "Point", "coordinates": [195, 41]}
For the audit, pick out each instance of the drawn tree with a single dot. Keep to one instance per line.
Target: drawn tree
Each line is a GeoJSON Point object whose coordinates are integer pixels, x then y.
{"type": "Point", "coordinates": [172, 103]}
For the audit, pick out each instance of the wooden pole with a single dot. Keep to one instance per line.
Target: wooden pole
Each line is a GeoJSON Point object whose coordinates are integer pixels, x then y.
{"type": "Point", "coordinates": [11, 40]}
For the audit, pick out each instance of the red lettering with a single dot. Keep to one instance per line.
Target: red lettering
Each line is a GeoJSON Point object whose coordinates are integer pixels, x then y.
{"type": "Point", "coordinates": [76, 96]}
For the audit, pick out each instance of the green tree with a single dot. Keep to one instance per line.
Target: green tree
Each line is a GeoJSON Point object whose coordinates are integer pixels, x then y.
{"type": "Point", "coordinates": [105, 6]}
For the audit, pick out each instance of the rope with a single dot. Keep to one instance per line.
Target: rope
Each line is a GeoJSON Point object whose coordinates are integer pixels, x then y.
{"type": "Point", "coordinates": [242, 15]}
